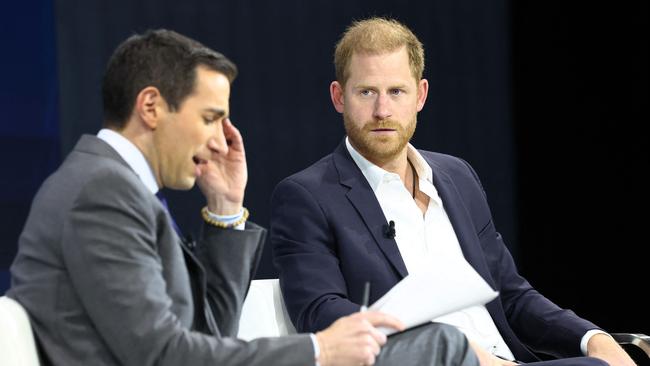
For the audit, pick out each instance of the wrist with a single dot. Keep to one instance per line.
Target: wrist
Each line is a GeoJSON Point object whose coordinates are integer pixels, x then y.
{"type": "Point", "coordinates": [223, 207]}
{"type": "Point", "coordinates": [595, 341]}
{"type": "Point", "coordinates": [322, 357]}
{"type": "Point", "coordinates": [236, 221]}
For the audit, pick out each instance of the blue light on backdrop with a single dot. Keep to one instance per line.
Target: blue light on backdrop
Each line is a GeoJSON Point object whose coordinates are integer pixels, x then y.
{"type": "Point", "coordinates": [29, 132]}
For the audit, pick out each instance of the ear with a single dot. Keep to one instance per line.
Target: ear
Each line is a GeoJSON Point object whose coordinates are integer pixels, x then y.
{"type": "Point", "coordinates": [149, 106]}
{"type": "Point", "coordinates": [336, 93]}
{"type": "Point", "coordinates": [423, 91]}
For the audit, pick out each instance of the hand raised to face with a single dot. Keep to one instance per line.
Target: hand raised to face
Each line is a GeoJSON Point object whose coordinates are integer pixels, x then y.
{"type": "Point", "coordinates": [223, 175]}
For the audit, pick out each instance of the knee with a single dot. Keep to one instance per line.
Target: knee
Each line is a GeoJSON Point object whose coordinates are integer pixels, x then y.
{"type": "Point", "coordinates": [448, 332]}
{"type": "Point", "coordinates": [430, 344]}
{"type": "Point", "coordinates": [434, 334]}
{"type": "Point", "coordinates": [593, 361]}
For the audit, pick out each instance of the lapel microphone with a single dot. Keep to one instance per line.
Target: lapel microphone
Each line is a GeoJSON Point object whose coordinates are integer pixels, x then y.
{"type": "Point", "coordinates": [389, 230]}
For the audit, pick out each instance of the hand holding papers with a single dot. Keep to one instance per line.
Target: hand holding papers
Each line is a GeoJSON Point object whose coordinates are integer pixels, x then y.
{"type": "Point", "coordinates": [447, 287]}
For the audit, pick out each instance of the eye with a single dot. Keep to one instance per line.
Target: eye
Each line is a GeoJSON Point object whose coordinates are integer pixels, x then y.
{"type": "Point", "coordinates": [209, 120]}
{"type": "Point", "coordinates": [396, 91]}
{"type": "Point", "coordinates": [365, 92]}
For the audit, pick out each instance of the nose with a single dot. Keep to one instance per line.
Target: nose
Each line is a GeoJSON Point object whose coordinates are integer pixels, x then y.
{"type": "Point", "coordinates": [382, 107]}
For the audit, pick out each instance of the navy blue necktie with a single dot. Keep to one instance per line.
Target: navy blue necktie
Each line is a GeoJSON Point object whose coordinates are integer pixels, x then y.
{"type": "Point", "coordinates": [188, 247]}
{"type": "Point", "coordinates": [163, 200]}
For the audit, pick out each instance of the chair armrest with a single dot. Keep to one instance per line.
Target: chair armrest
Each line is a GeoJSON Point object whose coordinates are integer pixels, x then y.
{"type": "Point", "coordinates": [640, 340]}
{"type": "Point", "coordinates": [263, 312]}
{"type": "Point", "coordinates": [17, 346]}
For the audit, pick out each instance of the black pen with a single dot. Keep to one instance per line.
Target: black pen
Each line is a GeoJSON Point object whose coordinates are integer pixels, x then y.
{"type": "Point", "coordinates": [366, 297]}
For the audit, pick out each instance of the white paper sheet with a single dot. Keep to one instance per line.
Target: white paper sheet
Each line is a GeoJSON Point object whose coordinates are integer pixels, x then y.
{"type": "Point", "coordinates": [447, 287]}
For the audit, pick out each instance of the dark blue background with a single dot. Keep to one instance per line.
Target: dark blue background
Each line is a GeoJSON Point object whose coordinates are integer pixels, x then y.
{"type": "Point", "coordinates": [29, 122]}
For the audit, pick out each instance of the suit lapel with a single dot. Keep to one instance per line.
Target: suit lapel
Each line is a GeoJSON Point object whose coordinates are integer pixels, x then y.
{"type": "Point", "coordinates": [461, 221]}
{"type": "Point", "coordinates": [471, 247]}
{"type": "Point", "coordinates": [365, 202]}
{"type": "Point", "coordinates": [203, 318]}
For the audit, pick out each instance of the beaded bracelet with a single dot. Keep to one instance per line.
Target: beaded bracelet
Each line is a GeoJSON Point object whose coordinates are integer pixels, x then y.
{"type": "Point", "coordinates": [210, 220]}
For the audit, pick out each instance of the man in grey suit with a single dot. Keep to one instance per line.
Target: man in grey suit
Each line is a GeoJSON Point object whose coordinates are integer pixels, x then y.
{"type": "Point", "coordinates": [101, 267]}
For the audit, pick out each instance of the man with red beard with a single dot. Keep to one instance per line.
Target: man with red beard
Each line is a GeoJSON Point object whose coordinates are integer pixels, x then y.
{"type": "Point", "coordinates": [377, 209]}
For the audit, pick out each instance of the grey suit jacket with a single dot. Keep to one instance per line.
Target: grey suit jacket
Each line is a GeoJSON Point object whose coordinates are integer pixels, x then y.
{"type": "Point", "coordinates": [107, 281]}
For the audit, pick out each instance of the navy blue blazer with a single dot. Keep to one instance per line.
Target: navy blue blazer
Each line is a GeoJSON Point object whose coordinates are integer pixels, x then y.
{"type": "Point", "coordinates": [328, 237]}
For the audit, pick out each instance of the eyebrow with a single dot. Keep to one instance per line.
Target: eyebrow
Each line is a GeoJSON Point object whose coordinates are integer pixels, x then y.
{"type": "Point", "coordinates": [396, 86]}
{"type": "Point", "coordinates": [218, 112]}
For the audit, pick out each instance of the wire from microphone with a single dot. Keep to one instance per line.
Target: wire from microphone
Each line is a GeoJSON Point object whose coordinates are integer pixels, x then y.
{"type": "Point", "coordinates": [389, 230]}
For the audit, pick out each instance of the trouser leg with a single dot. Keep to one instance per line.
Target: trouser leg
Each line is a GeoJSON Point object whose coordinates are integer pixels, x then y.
{"type": "Point", "coordinates": [573, 361]}
{"type": "Point", "coordinates": [431, 344]}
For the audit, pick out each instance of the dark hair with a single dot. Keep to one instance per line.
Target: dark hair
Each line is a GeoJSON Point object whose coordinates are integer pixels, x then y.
{"type": "Point", "coordinates": [160, 58]}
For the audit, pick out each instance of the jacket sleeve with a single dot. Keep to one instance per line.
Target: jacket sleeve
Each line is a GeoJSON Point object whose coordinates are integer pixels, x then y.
{"type": "Point", "coordinates": [230, 258]}
{"type": "Point", "coordinates": [538, 322]}
{"type": "Point", "coordinates": [304, 251]}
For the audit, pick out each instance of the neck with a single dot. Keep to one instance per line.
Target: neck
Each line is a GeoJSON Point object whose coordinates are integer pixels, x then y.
{"type": "Point", "coordinates": [143, 138]}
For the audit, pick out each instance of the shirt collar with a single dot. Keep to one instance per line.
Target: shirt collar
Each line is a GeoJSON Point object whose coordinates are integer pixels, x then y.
{"type": "Point", "coordinates": [374, 174]}
{"type": "Point", "coordinates": [132, 155]}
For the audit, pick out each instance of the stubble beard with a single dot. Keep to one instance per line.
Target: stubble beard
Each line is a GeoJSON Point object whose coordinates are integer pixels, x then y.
{"type": "Point", "coordinates": [379, 149]}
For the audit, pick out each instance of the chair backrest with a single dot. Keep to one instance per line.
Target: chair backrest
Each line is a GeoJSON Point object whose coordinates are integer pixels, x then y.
{"type": "Point", "coordinates": [264, 313]}
{"type": "Point", "coordinates": [17, 347]}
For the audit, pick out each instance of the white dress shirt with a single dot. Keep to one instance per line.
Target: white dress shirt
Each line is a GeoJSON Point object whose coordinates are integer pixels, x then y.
{"type": "Point", "coordinates": [425, 240]}
{"type": "Point", "coordinates": [132, 155]}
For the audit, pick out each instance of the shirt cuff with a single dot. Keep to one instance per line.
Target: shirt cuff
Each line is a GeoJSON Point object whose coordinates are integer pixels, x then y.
{"type": "Point", "coordinates": [229, 219]}
{"type": "Point", "coordinates": [587, 337]}
{"type": "Point", "coordinates": [314, 341]}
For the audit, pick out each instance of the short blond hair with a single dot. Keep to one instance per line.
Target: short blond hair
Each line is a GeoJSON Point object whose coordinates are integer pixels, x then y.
{"type": "Point", "coordinates": [375, 36]}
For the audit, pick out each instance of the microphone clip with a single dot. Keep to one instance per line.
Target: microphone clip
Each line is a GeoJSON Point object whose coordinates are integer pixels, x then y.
{"type": "Point", "coordinates": [189, 241]}
{"type": "Point", "coordinates": [389, 230]}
